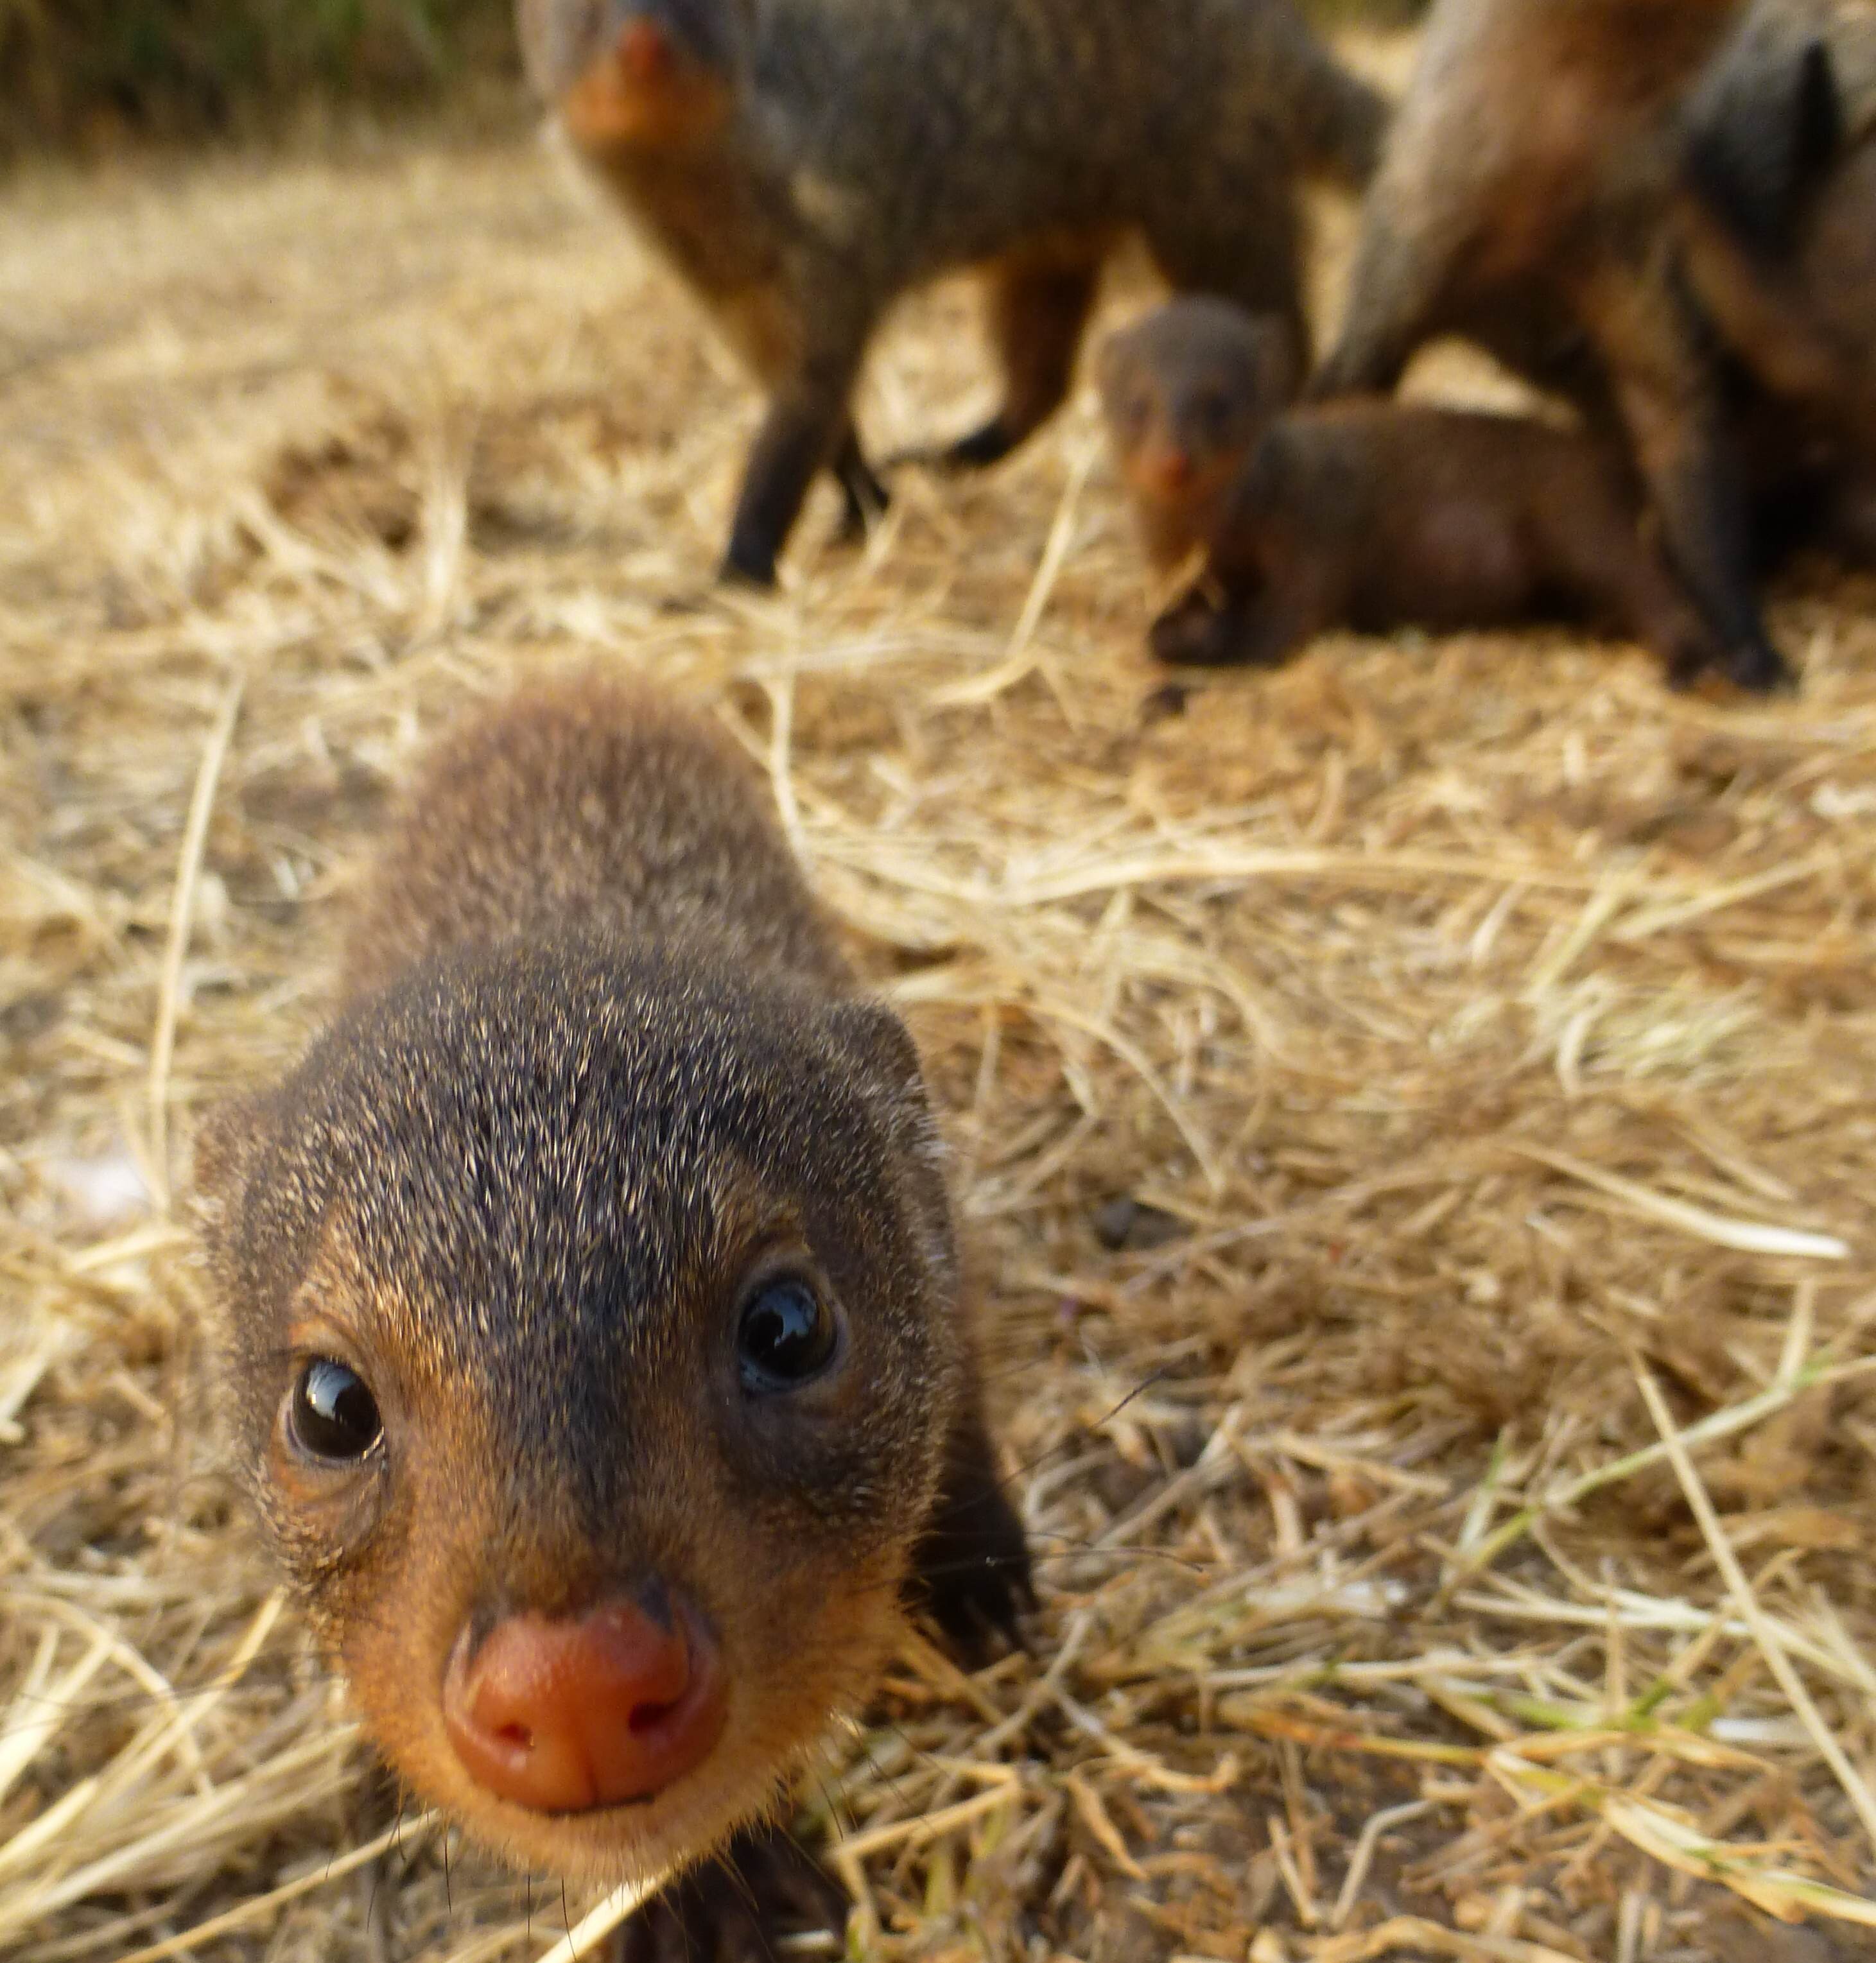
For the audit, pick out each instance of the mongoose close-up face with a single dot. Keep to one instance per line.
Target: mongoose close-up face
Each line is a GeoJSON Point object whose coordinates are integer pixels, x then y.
{"type": "Point", "coordinates": [1186, 391]}
{"type": "Point", "coordinates": [1374, 515]}
{"type": "Point", "coordinates": [590, 1306]}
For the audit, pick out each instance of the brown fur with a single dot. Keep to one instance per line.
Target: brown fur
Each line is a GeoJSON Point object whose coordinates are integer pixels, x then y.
{"type": "Point", "coordinates": [1369, 514]}
{"type": "Point", "coordinates": [1779, 230]}
{"type": "Point", "coordinates": [804, 164]}
{"type": "Point", "coordinates": [599, 1060]}
{"type": "Point", "coordinates": [1186, 392]}
{"type": "Point", "coordinates": [1524, 200]}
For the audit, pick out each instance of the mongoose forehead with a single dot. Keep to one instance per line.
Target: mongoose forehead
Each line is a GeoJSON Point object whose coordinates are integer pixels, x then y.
{"type": "Point", "coordinates": [519, 1204]}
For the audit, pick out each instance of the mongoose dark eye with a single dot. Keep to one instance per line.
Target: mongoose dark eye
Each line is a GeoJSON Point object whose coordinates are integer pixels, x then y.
{"type": "Point", "coordinates": [333, 1415]}
{"type": "Point", "coordinates": [786, 1337]}
{"type": "Point", "coordinates": [1211, 414]}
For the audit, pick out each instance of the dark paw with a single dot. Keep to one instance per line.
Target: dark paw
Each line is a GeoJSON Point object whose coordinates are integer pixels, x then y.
{"type": "Point", "coordinates": [973, 1569]}
{"type": "Point", "coordinates": [1760, 669]}
{"type": "Point", "coordinates": [1169, 699]}
{"type": "Point", "coordinates": [736, 1909]}
{"type": "Point", "coordinates": [1192, 633]}
{"type": "Point", "coordinates": [1690, 660]}
{"type": "Point", "coordinates": [981, 448]}
{"type": "Point", "coordinates": [977, 451]}
{"type": "Point", "coordinates": [748, 564]}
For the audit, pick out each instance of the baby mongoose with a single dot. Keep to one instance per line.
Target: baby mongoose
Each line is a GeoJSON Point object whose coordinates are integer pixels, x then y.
{"type": "Point", "coordinates": [590, 1316]}
{"type": "Point", "coordinates": [804, 163]}
{"type": "Point", "coordinates": [1186, 391]}
{"type": "Point", "coordinates": [1373, 514]}
{"type": "Point", "coordinates": [1525, 200]}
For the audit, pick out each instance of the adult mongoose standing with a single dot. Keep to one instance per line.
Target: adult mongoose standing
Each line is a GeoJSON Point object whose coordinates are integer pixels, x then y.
{"type": "Point", "coordinates": [590, 1310]}
{"type": "Point", "coordinates": [1525, 200]}
{"type": "Point", "coordinates": [1778, 232]}
{"type": "Point", "coordinates": [1186, 391]}
{"type": "Point", "coordinates": [1375, 514]}
{"type": "Point", "coordinates": [804, 163]}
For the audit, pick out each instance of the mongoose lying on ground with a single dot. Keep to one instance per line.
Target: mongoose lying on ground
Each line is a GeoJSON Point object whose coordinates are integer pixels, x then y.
{"type": "Point", "coordinates": [1525, 200]}
{"type": "Point", "coordinates": [1186, 391]}
{"type": "Point", "coordinates": [1375, 515]}
{"type": "Point", "coordinates": [804, 164]}
{"type": "Point", "coordinates": [590, 1310]}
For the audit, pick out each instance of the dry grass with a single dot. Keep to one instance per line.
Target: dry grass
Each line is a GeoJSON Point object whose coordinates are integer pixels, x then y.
{"type": "Point", "coordinates": [1454, 1495]}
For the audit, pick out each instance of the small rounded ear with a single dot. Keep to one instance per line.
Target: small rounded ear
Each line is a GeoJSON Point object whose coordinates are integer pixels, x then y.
{"type": "Point", "coordinates": [872, 1037]}
{"type": "Point", "coordinates": [225, 1149]}
{"type": "Point", "coordinates": [875, 1038]}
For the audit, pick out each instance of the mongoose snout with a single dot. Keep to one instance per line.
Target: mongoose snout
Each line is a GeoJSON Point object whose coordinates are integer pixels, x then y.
{"type": "Point", "coordinates": [659, 75]}
{"type": "Point", "coordinates": [565, 1714]}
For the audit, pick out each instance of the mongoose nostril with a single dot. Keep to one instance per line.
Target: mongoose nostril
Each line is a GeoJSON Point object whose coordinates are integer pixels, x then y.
{"type": "Point", "coordinates": [562, 1715]}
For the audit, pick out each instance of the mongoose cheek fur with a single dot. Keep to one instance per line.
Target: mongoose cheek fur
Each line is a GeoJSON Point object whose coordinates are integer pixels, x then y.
{"type": "Point", "coordinates": [1372, 514]}
{"type": "Point", "coordinates": [1536, 220]}
{"type": "Point", "coordinates": [588, 1304]}
{"type": "Point", "coordinates": [1186, 391]}
{"type": "Point", "coordinates": [802, 164]}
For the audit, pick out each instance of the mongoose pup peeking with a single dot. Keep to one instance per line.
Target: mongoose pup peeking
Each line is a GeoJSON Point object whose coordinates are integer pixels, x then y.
{"type": "Point", "coordinates": [1536, 219]}
{"type": "Point", "coordinates": [804, 163]}
{"type": "Point", "coordinates": [590, 1310]}
{"type": "Point", "coordinates": [1374, 515]}
{"type": "Point", "coordinates": [1186, 391]}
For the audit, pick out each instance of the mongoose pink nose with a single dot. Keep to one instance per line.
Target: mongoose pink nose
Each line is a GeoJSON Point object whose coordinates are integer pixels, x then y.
{"type": "Point", "coordinates": [1172, 470]}
{"type": "Point", "coordinates": [561, 1715]}
{"type": "Point", "coordinates": [644, 54]}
